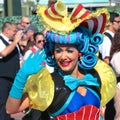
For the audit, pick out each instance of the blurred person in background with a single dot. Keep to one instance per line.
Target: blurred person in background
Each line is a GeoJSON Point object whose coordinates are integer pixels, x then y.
{"type": "Point", "coordinates": [9, 63]}
{"type": "Point", "coordinates": [113, 26]}
{"type": "Point", "coordinates": [27, 37]}
{"type": "Point", "coordinates": [115, 63]}
{"type": "Point", "coordinates": [39, 41]}
{"type": "Point", "coordinates": [104, 48]}
{"type": "Point", "coordinates": [38, 44]}
{"type": "Point", "coordinates": [24, 22]}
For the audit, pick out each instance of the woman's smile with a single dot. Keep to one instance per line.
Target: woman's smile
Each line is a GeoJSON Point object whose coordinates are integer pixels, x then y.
{"type": "Point", "coordinates": [65, 63]}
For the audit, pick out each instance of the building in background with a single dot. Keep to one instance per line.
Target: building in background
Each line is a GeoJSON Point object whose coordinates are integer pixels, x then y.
{"type": "Point", "coordinates": [86, 3]}
{"type": "Point", "coordinates": [1, 7]}
{"type": "Point", "coordinates": [24, 7]}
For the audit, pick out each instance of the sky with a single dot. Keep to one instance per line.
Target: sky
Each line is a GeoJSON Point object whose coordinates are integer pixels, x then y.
{"type": "Point", "coordinates": [66, 1]}
{"type": "Point", "coordinates": [1, 1]}
{"type": "Point", "coordinates": [71, 2]}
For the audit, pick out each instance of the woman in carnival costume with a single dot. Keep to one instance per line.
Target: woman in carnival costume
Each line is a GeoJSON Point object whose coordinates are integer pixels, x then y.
{"type": "Point", "coordinates": [80, 83]}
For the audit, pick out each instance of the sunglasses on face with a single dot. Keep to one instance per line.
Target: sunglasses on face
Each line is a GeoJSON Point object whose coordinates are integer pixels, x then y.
{"type": "Point", "coordinates": [117, 21]}
{"type": "Point", "coordinates": [26, 23]}
{"type": "Point", "coordinates": [39, 41]}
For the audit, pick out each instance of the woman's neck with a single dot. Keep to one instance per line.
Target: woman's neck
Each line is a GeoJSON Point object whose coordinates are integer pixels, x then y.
{"type": "Point", "coordinates": [76, 73]}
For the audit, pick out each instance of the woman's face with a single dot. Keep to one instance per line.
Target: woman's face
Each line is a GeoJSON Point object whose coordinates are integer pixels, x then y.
{"type": "Point", "coordinates": [40, 41]}
{"type": "Point", "coordinates": [66, 57]}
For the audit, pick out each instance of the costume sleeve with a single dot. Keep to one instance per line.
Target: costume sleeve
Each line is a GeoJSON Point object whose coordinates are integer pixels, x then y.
{"type": "Point", "coordinates": [108, 81]}
{"type": "Point", "coordinates": [40, 89]}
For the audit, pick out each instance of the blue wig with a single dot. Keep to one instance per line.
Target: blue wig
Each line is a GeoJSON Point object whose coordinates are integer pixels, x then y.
{"type": "Point", "coordinates": [86, 42]}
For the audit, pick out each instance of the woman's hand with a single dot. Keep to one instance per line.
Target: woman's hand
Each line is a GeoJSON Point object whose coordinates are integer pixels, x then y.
{"type": "Point", "coordinates": [31, 66]}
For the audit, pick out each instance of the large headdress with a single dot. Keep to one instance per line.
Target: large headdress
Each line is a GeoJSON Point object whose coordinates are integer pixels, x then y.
{"type": "Point", "coordinates": [80, 27]}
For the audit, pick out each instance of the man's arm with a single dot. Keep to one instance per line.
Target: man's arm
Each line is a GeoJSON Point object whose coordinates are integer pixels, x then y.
{"type": "Point", "coordinates": [12, 46]}
{"type": "Point", "coordinates": [105, 49]}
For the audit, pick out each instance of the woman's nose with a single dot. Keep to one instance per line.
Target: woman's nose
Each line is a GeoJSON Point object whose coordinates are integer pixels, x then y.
{"type": "Point", "coordinates": [64, 55]}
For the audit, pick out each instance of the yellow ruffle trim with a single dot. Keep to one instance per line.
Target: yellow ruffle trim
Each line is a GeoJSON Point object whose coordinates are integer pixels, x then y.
{"type": "Point", "coordinates": [108, 80]}
{"type": "Point", "coordinates": [40, 89]}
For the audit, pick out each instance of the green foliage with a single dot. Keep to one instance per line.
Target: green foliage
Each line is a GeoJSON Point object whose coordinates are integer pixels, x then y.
{"type": "Point", "coordinates": [115, 9]}
{"type": "Point", "coordinates": [35, 20]}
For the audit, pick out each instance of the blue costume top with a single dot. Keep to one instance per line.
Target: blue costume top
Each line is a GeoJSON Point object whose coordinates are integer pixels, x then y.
{"type": "Point", "coordinates": [88, 99]}
{"type": "Point", "coordinates": [64, 97]}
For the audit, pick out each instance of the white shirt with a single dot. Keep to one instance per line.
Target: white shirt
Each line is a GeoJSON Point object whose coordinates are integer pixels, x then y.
{"type": "Point", "coordinates": [3, 46]}
{"type": "Point", "coordinates": [115, 62]}
{"type": "Point", "coordinates": [28, 52]}
{"type": "Point", "coordinates": [105, 47]}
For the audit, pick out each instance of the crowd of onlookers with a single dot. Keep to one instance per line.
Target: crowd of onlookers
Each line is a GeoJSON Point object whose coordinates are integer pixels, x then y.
{"type": "Point", "coordinates": [109, 53]}
{"type": "Point", "coordinates": [18, 41]}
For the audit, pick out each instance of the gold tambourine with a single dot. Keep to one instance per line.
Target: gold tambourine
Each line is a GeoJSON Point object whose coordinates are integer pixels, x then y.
{"type": "Point", "coordinates": [108, 81]}
{"type": "Point", "coordinates": [40, 89]}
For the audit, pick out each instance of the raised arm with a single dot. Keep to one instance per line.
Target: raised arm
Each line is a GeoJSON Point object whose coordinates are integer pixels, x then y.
{"type": "Point", "coordinates": [17, 101]}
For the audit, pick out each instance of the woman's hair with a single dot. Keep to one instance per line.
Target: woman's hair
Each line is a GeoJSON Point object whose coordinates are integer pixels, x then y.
{"type": "Point", "coordinates": [36, 34]}
{"type": "Point", "coordinates": [86, 42]}
{"type": "Point", "coordinates": [115, 47]}
{"type": "Point", "coordinates": [27, 47]}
